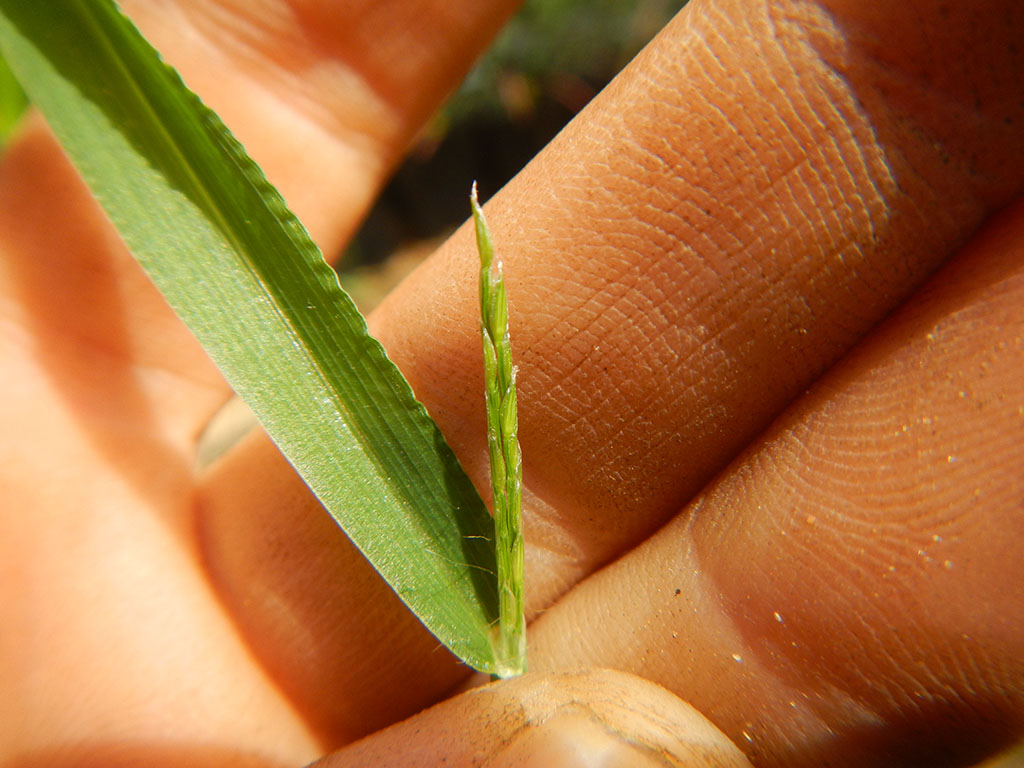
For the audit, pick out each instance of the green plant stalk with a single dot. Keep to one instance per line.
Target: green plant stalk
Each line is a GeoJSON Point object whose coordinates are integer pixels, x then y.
{"type": "Point", "coordinates": [505, 456]}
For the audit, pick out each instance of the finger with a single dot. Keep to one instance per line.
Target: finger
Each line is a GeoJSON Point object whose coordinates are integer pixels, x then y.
{"type": "Point", "coordinates": [93, 335]}
{"type": "Point", "coordinates": [597, 718]}
{"type": "Point", "coordinates": [849, 592]}
{"type": "Point", "coordinates": [113, 649]}
{"type": "Point", "coordinates": [322, 623]}
{"type": "Point", "coordinates": [763, 186]}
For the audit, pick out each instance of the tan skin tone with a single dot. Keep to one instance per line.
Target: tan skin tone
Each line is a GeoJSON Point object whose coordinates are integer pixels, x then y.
{"type": "Point", "coordinates": [765, 468]}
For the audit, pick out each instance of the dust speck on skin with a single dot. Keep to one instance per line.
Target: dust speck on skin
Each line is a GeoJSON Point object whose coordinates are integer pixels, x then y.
{"type": "Point", "coordinates": [737, 658]}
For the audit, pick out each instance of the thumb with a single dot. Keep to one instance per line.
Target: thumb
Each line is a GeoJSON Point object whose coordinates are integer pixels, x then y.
{"type": "Point", "coordinates": [593, 718]}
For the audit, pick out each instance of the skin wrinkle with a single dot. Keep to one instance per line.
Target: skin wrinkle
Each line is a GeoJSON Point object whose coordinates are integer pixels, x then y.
{"type": "Point", "coordinates": [802, 485]}
{"type": "Point", "coordinates": [829, 717]}
{"type": "Point", "coordinates": [609, 442]}
{"type": "Point", "coordinates": [846, 118]}
{"type": "Point", "coordinates": [609, 447]}
{"type": "Point", "coordinates": [822, 123]}
{"type": "Point", "coordinates": [727, 125]}
{"type": "Point", "coordinates": [850, 117]}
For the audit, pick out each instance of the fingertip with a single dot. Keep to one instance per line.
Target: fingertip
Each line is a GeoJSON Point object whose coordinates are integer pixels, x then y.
{"type": "Point", "coordinates": [330, 633]}
{"type": "Point", "coordinates": [576, 741]}
{"type": "Point", "coordinates": [570, 720]}
{"type": "Point", "coordinates": [607, 719]}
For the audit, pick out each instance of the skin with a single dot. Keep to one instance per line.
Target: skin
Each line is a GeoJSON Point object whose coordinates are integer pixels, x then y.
{"type": "Point", "coordinates": [767, 308]}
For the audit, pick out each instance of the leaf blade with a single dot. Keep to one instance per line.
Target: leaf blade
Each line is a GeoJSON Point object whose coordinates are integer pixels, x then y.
{"type": "Point", "coordinates": [266, 307]}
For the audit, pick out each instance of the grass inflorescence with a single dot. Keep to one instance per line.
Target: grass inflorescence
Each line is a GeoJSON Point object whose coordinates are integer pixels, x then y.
{"type": "Point", "coordinates": [505, 456]}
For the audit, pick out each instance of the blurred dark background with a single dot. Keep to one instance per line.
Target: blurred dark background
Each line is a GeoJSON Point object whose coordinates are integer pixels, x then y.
{"type": "Point", "coordinates": [547, 63]}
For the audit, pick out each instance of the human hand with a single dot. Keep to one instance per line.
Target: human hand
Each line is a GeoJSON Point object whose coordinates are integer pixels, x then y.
{"type": "Point", "coordinates": [724, 224]}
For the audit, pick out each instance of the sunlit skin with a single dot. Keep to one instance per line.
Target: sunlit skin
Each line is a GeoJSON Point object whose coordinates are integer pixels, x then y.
{"type": "Point", "coordinates": [767, 300]}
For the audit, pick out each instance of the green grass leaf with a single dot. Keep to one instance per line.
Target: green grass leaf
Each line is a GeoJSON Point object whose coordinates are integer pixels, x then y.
{"type": "Point", "coordinates": [12, 101]}
{"type": "Point", "coordinates": [241, 271]}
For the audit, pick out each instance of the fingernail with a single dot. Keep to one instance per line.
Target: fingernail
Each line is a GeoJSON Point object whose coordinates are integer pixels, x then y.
{"type": "Point", "coordinates": [574, 740]}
